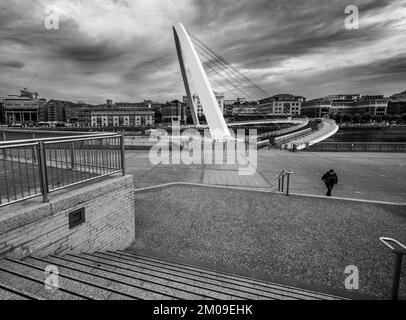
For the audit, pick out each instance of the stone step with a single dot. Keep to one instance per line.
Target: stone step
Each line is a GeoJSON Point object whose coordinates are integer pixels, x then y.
{"type": "Point", "coordinates": [9, 294]}
{"type": "Point", "coordinates": [123, 275]}
{"type": "Point", "coordinates": [212, 288]}
{"type": "Point", "coordinates": [108, 278]}
{"type": "Point", "coordinates": [34, 287]}
{"type": "Point", "coordinates": [71, 284]}
{"type": "Point", "coordinates": [179, 289]}
{"type": "Point", "coordinates": [228, 277]}
{"type": "Point", "coordinates": [200, 278]}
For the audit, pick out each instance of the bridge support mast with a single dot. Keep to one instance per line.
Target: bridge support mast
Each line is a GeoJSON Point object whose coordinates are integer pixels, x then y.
{"type": "Point", "coordinates": [189, 59]}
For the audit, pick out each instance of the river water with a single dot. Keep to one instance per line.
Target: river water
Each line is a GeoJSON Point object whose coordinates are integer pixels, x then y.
{"type": "Point", "coordinates": [369, 135]}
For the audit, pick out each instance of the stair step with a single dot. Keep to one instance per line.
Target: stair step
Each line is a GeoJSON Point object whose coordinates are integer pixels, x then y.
{"type": "Point", "coordinates": [34, 287]}
{"type": "Point", "coordinates": [200, 279]}
{"type": "Point", "coordinates": [159, 283]}
{"type": "Point", "coordinates": [20, 295]}
{"type": "Point", "coordinates": [124, 274]}
{"type": "Point", "coordinates": [71, 284]}
{"type": "Point", "coordinates": [241, 280]}
{"type": "Point", "coordinates": [113, 290]}
{"type": "Point", "coordinates": [104, 278]}
{"type": "Point", "coordinates": [10, 295]}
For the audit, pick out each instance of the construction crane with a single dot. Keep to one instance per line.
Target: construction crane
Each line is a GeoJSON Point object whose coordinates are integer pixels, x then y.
{"type": "Point", "coordinates": [28, 83]}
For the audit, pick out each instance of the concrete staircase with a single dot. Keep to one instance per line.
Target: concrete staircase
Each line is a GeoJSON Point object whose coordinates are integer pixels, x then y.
{"type": "Point", "coordinates": [126, 275]}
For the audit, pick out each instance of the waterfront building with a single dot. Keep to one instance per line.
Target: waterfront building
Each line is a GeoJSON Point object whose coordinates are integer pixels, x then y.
{"type": "Point", "coordinates": [55, 110]}
{"type": "Point", "coordinates": [199, 108]}
{"type": "Point", "coordinates": [79, 114]}
{"type": "Point", "coordinates": [120, 116]}
{"type": "Point", "coordinates": [24, 108]}
{"type": "Point", "coordinates": [397, 104]}
{"type": "Point", "coordinates": [345, 103]}
{"type": "Point", "coordinates": [176, 111]}
{"type": "Point", "coordinates": [281, 104]}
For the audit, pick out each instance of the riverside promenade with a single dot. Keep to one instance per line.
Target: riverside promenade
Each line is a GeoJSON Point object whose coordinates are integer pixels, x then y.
{"type": "Point", "coordinates": [368, 176]}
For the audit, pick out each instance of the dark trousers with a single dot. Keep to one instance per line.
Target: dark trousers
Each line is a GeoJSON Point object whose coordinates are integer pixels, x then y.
{"type": "Point", "coordinates": [329, 189]}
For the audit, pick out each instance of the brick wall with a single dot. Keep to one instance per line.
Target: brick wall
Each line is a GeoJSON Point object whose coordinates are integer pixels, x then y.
{"type": "Point", "coordinates": [32, 227]}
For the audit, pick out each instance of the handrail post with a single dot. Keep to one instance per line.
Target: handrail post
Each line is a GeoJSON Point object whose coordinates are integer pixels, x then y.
{"type": "Point", "coordinates": [122, 147]}
{"type": "Point", "coordinates": [283, 182]}
{"type": "Point", "coordinates": [287, 183]}
{"type": "Point", "coordinates": [399, 251]}
{"type": "Point", "coordinates": [396, 277]}
{"type": "Point", "coordinates": [43, 171]}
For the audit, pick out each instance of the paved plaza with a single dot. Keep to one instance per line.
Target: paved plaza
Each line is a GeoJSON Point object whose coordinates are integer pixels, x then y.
{"type": "Point", "coordinates": [368, 176]}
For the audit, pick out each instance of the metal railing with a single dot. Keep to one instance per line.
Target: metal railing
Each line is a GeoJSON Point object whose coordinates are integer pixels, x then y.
{"type": "Point", "coordinates": [281, 181]}
{"type": "Point", "coordinates": [29, 168]}
{"type": "Point", "coordinates": [399, 249]}
{"type": "Point", "coordinates": [360, 146]}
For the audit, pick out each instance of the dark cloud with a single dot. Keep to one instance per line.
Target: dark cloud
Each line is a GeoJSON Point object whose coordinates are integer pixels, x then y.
{"type": "Point", "coordinates": [12, 64]}
{"type": "Point", "coordinates": [88, 59]}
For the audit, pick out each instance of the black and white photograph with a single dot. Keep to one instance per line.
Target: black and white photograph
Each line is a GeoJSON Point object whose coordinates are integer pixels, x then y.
{"type": "Point", "coordinates": [208, 156]}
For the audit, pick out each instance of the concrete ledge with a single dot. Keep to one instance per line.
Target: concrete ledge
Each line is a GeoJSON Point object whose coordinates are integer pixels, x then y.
{"type": "Point", "coordinates": [31, 226]}
{"type": "Point", "coordinates": [265, 190]}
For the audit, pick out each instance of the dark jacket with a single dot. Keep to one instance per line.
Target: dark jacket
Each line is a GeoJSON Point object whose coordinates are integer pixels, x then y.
{"type": "Point", "coordinates": [330, 178]}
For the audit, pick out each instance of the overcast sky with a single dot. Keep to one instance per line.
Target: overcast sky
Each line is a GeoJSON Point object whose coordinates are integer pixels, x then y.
{"type": "Point", "coordinates": [124, 49]}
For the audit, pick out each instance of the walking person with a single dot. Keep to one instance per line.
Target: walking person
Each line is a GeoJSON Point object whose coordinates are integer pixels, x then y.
{"type": "Point", "coordinates": [330, 179]}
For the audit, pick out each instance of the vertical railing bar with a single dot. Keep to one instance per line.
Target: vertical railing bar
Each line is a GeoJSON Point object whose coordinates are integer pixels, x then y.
{"type": "Point", "coordinates": [77, 173]}
{"type": "Point", "coordinates": [12, 175]}
{"type": "Point", "coordinates": [5, 173]}
{"type": "Point", "coordinates": [61, 162]}
{"type": "Point", "coordinates": [65, 152]}
{"type": "Point", "coordinates": [86, 151]}
{"type": "Point", "coordinates": [122, 154]}
{"type": "Point", "coordinates": [104, 157]}
{"type": "Point", "coordinates": [92, 157]}
{"type": "Point", "coordinates": [81, 160]}
{"type": "Point", "coordinates": [105, 160]}
{"type": "Point", "coordinates": [51, 167]}
{"type": "Point", "coordinates": [20, 173]}
{"type": "Point", "coordinates": [26, 172]}
{"type": "Point", "coordinates": [51, 171]}
{"type": "Point", "coordinates": [110, 155]}
{"type": "Point", "coordinates": [56, 165]}
{"type": "Point", "coordinates": [97, 158]}
{"type": "Point", "coordinates": [101, 157]}
{"type": "Point", "coordinates": [43, 171]}
{"type": "Point", "coordinates": [115, 153]}
{"type": "Point", "coordinates": [77, 162]}
{"type": "Point", "coordinates": [33, 167]}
